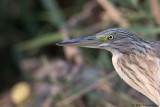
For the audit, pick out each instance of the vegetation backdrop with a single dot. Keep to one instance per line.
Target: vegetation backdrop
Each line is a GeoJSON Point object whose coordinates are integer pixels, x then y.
{"type": "Point", "coordinates": [34, 72]}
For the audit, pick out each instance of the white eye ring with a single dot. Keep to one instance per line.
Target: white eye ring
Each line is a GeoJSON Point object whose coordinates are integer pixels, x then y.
{"type": "Point", "coordinates": [110, 37]}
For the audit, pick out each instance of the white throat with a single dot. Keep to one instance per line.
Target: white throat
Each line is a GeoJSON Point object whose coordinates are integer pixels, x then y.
{"type": "Point", "coordinates": [116, 55]}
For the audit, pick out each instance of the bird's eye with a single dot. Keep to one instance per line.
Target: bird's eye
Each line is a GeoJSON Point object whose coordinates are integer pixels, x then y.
{"type": "Point", "coordinates": [110, 37]}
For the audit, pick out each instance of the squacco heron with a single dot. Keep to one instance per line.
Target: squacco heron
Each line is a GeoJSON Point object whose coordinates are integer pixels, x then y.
{"type": "Point", "coordinates": [137, 61]}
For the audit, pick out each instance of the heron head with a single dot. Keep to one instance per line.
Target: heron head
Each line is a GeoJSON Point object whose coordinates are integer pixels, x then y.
{"type": "Point", "coordinates": [115, 38]}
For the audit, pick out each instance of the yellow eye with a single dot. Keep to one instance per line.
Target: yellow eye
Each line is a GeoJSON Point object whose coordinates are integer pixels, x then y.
{"type": "Point", "coordinates": [105, 37]}
{"type": "Point", "coordinates": [110, 37]}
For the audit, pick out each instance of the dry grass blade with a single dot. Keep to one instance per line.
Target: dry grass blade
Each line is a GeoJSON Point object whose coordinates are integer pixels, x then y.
{"type": "Point", "coordinates": [72, 53]}
{"type": "Point", "coordinates": [155, 10]}
{"type": "Point", "coordinates": [113, 13]}
{"type": "Point", "coordinates": [89, 88]}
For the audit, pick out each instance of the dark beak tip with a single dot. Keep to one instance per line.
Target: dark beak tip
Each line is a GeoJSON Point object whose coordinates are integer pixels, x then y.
{"type": "Point", "coordinates": [68, 42]}
{"type": "Point", "coordinates": [59, 43]}
{"type": "Point", "coordinates": [63, 43]}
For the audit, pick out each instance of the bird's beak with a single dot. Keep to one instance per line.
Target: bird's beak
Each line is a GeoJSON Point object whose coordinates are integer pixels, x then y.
{"type": "Point", "coordinates": [90, 42]}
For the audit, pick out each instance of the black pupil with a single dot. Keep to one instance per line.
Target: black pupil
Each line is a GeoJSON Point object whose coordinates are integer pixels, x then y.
{"type": "Point", "coordinates": [110, 37]}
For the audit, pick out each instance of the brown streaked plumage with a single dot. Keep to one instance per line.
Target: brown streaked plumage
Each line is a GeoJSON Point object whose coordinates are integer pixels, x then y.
{"type": "Point", "coordinates": [136, 60]}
